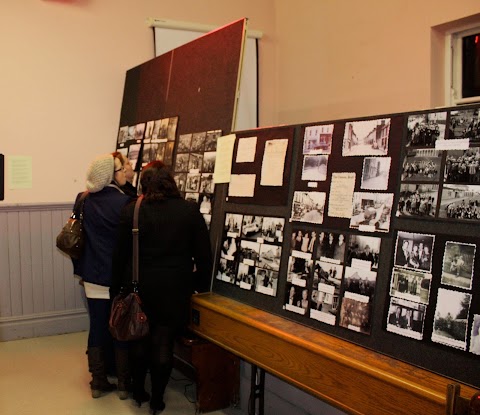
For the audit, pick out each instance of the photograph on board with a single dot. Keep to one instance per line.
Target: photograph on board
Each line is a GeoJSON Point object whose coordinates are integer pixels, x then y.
{"type": "Point", "coordinates": [421, 165]}
{"type": "Point", "coordinates": [425, 129]}
{"type": "Point", "coordinates": [366, 138]}
{"type": "Point", "coordinates": [417, 200]}
{"type": "Point", "coordinates": [458, 263]}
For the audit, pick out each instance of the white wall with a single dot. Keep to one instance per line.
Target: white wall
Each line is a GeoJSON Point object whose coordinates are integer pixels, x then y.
{"type": "Point", "coordinates": [62, 74]}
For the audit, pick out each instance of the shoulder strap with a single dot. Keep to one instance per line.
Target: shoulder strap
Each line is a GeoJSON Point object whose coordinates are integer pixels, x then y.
{"type": "Point", "coordinates": [135, 240]}
{"type": "Point", "coordinates": [78, 208]}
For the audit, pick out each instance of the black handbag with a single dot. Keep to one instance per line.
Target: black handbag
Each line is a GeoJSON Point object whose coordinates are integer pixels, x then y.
{"type": "Point", "coordinates": [71, 238]}
{"type": "Point", "coordinates": [127, 319]}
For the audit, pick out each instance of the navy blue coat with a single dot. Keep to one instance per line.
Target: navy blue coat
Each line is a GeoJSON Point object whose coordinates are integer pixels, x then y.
{"type": "Point", "coordinates": [101, 216]}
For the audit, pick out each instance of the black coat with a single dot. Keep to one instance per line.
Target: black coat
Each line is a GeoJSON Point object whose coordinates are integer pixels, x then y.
{"type": "Point", "coordinates": [173, 237]}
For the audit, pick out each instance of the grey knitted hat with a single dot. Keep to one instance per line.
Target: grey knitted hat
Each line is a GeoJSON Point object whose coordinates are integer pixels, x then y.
{"type": "Point", "coordinates": [100, 173]}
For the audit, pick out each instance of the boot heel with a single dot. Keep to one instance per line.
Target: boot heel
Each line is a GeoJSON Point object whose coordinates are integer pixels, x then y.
{"type": "Point", "coordinates": [141, 397]}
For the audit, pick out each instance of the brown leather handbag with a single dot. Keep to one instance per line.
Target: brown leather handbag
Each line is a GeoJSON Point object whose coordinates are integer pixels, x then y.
{"type": "Point", "coordinates": [127, 319]}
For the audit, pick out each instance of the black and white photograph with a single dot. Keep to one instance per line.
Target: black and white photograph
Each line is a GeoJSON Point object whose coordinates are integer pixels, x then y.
{"type": "Point", "coordinates": [270, 256]}
{"type": "Point", "coordinates": [156, 129]}
{"type": "Point", "coordinates": [198, 142]}
{"type": "Point", "coordinates": [122, 136]}
{"type": "Point", "coordinates": [355, 313]}
{"type": "Point", "coordinates": [246, 276]}
{"type": "Point", "coordinates": [363, 251]}
{"type": "Point", "coordinates": [406, 318]}
{"type": "Point", "coordinates": [475, 335]}
{"type": "Point", "coordinates": [148, 131]}
{"type": "Point", "coordinates": [451, 318]}
{"type": "Point", "coordinates": [410, 285]}
{"type": "Point", "coordinates": [463, 166]}
{"type": "Point", "coordinates": [131, 133]}
{"type": "Point", "coordinates": [299, 268]}
{"type": "Point", "coordinates": [458, 260]}
{"type": "Point", "coordinates": [180, 180]}
{"type": "Point", "coordinates": [159, 151]}
{"type": "Point", "coordinates": [318, 139]}
{"type": "Point", "coordinates": [308, 207]}
{"type": "Point", "coordinates": [229, 248]}
{"type": "Point", "coordinates": [303, 240]}
{"type": "Point", "coordinates": [209, 161]}
{"type": "Point", "coordinates": [296, 299]}
{"type": "Point", "coordinates": [172, 128]}
{"type": "Point", "coordinates": [211, 140]}
{"type": "Point", "coordinates": [366, 138]}
{"type": "Point", "coordinates": [133, 152]}
{"type": "Point", "coordinates": [193, 182]}
{"type": "Point", "coordinates": [168, 157]}
{"type": "Point", "coordinates": [266, 281]}
{"type": "Point", "coordinates": [421, 165]}
{"type": "Point", "coordinates": [425, 129]}
{"type": "Point", "coordinates": [181, 162]}
{"type": "Point", "coordinates": [163, 132]}
{"type": "Point", "coordinates": [360, 281]}
{"type": "Point", "coordinates": [331, 247]}
{"type": "Point", "coordinates": [208, 219]}
{"type": "Point", "coordinates": [192, 197]}
{"type": "Point", "coordinates": [375, 173]}
{"type": "Point", "coordinates": [460, 201]}
{"type": "Point", "coordinates": [139, 131]}
{"type": "Point", "coordinates": [184, 143]}
{"type": "Point", "coordinates": [206, 183]}
{"type": "Point", "coordinates": [249, 252]}
{"type": "Point", "coordinates": [371, 211]}
{"type": "Point", "coordinates": [147, 154]}
{"type": "Point", "coordinates": [205, 203]}
{"type": "Point", "coordinates": [272, 229]}
{"type": "Point", "coordinates": [418, 200]}
{"type": "Point", "coordinates": [227, 270]}
{"type": "Point", "coordinates": [252, 227]}
{"type": "Point", "coordinates": [327, 280]}
{"type": "Point", "coordinates": [414, 251]}
{"type": "Point", "coordinates": [233, 224]}
{"type": "Point", "coordinates": [195, 162]}
{"type": "Point", "coordinates": [315, 168]}
{"type": "Point", "coordinates": [464, 124]}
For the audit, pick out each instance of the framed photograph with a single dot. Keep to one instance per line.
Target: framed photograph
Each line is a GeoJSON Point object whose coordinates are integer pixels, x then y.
{"type": "Point", "coordinates": [414, 251]}
{"type": "Point", "coordinates": [296, 299]}
{"type": "Point", "coordinates": [308, 207]}
{"type": "Point", "coordinates": [425, 129]}
{"type": "Point", "coordinates": [269, 257]}
{"type": "Point", "coordinates": [475, 336]}
{"type": "Point", "coordinates": [410, 285]}
{"type": "Point", "coordinates": [299, 268]}
{"type": "Point", "coordinates": [451, 317]}
{"type": "Point", "coordinates": [417, 200]}
{"type": "Point", "coordinates": [211, 140]}
{"type": "Point", "coordinates": [246, 276]}
{"type": "Point", "coordinates": [315, 168]}
{"type": "Point", "coordinates": [233, 224]}
{"type": "Point", "coordinates": [163, 132]}
{"type": "Point", "coordinates": [266, 281]}
{"type": "Point", "coordinates": [122, 136]}
{"type": "Point", "coordinates": [366, 138]}
{"type": "Point", "coordinates": [227, 270]}
{"type": "Point", "coordinates": [272, 229]}
{"type": "Point", "coordinates": [460, 201]}
{"type": "Point", "coordinates": [371, 211]}
{"type": "Point", "coordinates": [375, 173]}
{"type": "Point", "coordinates": [406, 318]}
{"type": "Point", "coordinates": [422, 165]}
{"type": "Point", "coordinates": [355, 313]}
{"type": "Point", "coordinates": [318, 139]}
{"type": "Point", "coordinates": [252, 227]}
{"type": "Point", "coordinates": [303, 240]}
{"type": "Point", "coordinates": [181, 162]}
{"type": "Point", "coordinates": [209, 162]}
{"type": "Point", "coordinates": [360, 281]}
{"type": "Point", "coordinates": [363, 251]}
{"type": "Point", "coordinates": [198, 142]}
{"type": "Point", "coordinates": [172, 128]}
{"type": "Point", "coordinates": [184, 143]}
{"type": "Point", "coordinates": [458, 261]}
{"type": "Point", "coordinates": [206, 183]}
{"type": "Point", "coordinates": [331, 247]}
{"type": "Point", "coordinates": [195, 162]}
{"type": "Point", "coordinates": [193, 182]}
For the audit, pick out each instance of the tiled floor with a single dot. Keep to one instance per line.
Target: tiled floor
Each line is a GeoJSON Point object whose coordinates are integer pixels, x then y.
{"type": "Point", "coordinates": [48, 375]}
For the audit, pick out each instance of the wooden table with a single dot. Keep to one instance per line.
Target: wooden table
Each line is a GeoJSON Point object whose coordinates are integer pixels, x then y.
{"type": "Point", "coordinates": [348, 376]}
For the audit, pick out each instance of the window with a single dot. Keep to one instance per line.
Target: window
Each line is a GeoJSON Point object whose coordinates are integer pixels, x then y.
{"type": "Point", "coordinates": [463, 66]}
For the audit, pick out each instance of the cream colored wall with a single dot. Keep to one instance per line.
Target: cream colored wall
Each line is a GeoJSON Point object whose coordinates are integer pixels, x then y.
{"type": "Point", "coordinates": [350, 58]}
{"type": "Point", "coordinates": [62, 73]}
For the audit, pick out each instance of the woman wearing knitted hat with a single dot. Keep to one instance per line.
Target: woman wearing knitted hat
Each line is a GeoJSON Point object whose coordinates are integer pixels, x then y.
{"type": "Point", "coordinates": [101, 215]}
{"type": "Point", "coordinates": [173, 240]}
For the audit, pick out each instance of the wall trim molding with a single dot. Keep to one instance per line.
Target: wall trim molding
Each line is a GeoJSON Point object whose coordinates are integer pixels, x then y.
{"type": "Point", "coordinates": [29, 207]}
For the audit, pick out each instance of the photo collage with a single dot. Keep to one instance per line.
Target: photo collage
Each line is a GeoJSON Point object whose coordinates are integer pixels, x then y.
{"type": "Point", "coordinates": [332, 274]}
{"type": "Point", "coordinates": [251, 251]}
{"type": "Point", "coordinates": [193, 169]}
{"type": "Point", "coordinates": [440, 173]}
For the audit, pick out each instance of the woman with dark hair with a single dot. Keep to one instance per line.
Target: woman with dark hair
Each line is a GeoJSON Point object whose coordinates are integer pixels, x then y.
{"type": "Point", "coordinates": [173, 241]}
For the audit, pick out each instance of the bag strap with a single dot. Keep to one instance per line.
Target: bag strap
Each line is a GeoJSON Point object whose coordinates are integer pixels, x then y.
{"type": "Point", "coordinates": [135, 240]}
{"type": "Point", "coordinates": [79, 204]}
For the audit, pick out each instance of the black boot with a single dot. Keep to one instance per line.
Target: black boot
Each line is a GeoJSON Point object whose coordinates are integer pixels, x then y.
{"type": "Point", "coordinates": [139, 359]}
{"type": "Point", "coordinates": [96, 365]}
{"type": "Point", "coordinates": [123, 372]}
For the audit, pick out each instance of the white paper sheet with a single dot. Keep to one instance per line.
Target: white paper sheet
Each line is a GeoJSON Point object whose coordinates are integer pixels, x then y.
{"type": "Point", "coordinates": [223, 163]}
{"type": "Point", "coordinates": [246, 150]}
{"type": "Point", "coordinates": [242, 185]}
{"type": "Point", "coordinates": [273, 162]}
{"type": "Point", "coordinates": [341, 195]}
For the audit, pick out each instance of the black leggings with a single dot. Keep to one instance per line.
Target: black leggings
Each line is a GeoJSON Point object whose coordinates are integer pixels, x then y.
{"type": "Point", "coordinates": [154, 352]}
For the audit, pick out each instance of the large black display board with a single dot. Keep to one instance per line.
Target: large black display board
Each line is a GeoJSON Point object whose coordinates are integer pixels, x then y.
{"type": "Point", "coordinates": [436, 220]}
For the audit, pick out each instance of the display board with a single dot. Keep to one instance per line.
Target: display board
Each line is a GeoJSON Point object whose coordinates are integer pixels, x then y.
{"type": "Point", "coordinates": [377, 241]}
